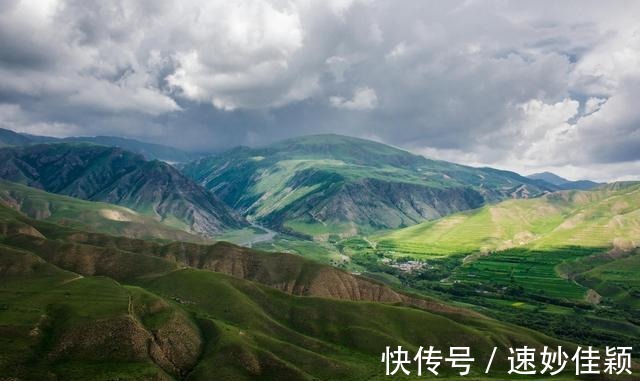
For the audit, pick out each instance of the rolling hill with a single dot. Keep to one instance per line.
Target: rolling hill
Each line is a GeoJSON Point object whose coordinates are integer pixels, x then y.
{"type": "Point", "coordinates": [327, 185]}
{"type": "Point", "coordinates": [79, 306]}
{"type": "Point", "coordinates": [116, 176]}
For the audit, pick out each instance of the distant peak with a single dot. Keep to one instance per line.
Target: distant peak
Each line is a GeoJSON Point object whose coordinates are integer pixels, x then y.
{"type": "Point", "coordinates": [548, 177]}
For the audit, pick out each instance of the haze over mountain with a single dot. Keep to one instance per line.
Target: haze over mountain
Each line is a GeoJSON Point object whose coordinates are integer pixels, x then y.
{"type": "Point", "coordinates": [563, 183]}
{"type": "Point", "coordinates": [149, 150]}
{"type": "Point", "coordinates": [113, 175]}
{"type": "Point", "coordinates": [333, 184]}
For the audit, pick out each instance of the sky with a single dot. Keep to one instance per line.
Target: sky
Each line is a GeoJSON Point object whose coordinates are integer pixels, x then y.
{"type": "Point", "coordinates": [526, 86]}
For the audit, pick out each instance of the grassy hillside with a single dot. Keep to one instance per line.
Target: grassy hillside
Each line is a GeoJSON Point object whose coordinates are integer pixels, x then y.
{"type": "Point", "coordinates": [607, 216]}
{"type": "Point", "coordinates": [62, 317]}
{"type": "Point", "coordinates": [113, 175]}
{"type": "Point", "coordinates": [86, 215]}
{"type": "Point", "coordinates": [326, 186]}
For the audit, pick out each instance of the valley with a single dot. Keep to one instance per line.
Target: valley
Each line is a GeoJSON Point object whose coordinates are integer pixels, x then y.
{"type": "Point", "coordinates": [96, 315]}
{"type": "Point", "coordinates": [118, 267]}
{"type": "Point", "coordinates": [567, 258]}
{"type": "Point", "coordinates": [342, 190]}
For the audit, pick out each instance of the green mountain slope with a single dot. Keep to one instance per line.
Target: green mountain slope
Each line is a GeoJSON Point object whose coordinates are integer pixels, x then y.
{"type": "Point", "coordinates": [604, 217]}
{"type": "Point", "coordinates": [86, 215]}
{"type": "Point", "coordinates": [64, 316]}
{"type": "Point", "coordinates": [335, 185]}
{"type": "Point", "coordinates": [112, 175]}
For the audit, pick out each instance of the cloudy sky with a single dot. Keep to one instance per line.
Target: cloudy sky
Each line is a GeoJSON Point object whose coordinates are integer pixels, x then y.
{"type": "Point", "coordinates": [527, 86]}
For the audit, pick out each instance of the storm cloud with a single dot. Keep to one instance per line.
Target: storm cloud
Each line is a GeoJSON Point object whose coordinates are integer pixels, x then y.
{"type": "Point", "coordinates": [524, 86]}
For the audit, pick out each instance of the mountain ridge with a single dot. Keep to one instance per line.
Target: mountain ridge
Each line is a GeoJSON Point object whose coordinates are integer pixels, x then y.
{"type": "Point", "coordinates": [302, 185]}
{"type": "Point", "coordinates": [563, 183]}
{"type": "Point", "coordinates": [150, 151]}
{"type": "Point", "coordinates": [111, 174]}
{"type": "Point", "coordinates": [87, 215]}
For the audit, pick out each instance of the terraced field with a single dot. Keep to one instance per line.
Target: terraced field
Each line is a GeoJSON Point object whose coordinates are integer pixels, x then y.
{"type": "Point", "coordinates": [533, 270]}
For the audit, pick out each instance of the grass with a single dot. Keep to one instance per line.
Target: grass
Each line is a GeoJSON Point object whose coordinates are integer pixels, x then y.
{"type": "Point", "coordinates": [534, 271]}
{"type": "Point", "coordinates": [87, 215]}
{"type": "Point", "coordinates": [240, 236]}
{"type": "Point", "coordinates": [91, 326]}
{"type": "Point", "coordinates": [240, 330]}
{"type": "Point", "coordinates": [310, 332]}
{"type": "Point", "coordinates": [589, 219]}
{"type": "Point", "coordinates": [322, 252]}
{"type": "Point", "coordinates": [546, 263]}
{"type": "Point", "coordinates": [618, 279]}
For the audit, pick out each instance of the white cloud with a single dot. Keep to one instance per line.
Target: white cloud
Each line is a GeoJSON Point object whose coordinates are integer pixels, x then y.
{"type": "Point", "coordinates": [242, 53]}
{"type": "Point", "coordinates": [497, 83]}
{"type": "Point", "coordinates": [13, 117]}
{"type": "Point", "coordinates": [364, 98]}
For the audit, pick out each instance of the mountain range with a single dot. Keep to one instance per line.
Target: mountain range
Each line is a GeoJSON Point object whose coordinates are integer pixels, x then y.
{"type": "Point", "coordinates": [108, 269]}
{"type": "Point", "coordinates": [563, 183]}
{"type": "Point", "coordinates": [149, 150]}
{"type": "Point", "coordinates": [89, 216]}
{"type": "Point", "coordinates": [318, 186]}
{"type": "Point", "coordinates": [330, 184]}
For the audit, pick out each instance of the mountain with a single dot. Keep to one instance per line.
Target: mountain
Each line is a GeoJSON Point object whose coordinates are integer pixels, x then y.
{"type": "Point", "coordinates": [325, 185]}
{"type": "Point", "coordinates": [113, 175]}
{"type": "Point", "coordinates": [86, 215]}
{"type": "Point", "coordinates": [605, 217]}
{"type": "Point", "coordinates": [563, 183]}
{"type": "Point", "coordinates": [149, 150]}
{"type": "Point", "coordinates": [11, 138]}
{"type": "Point", "coordinates": [78, 306]}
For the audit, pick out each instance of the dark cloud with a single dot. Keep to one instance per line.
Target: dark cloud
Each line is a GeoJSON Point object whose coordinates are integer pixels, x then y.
{"type": "Point", "coordinates": [544, 85]}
